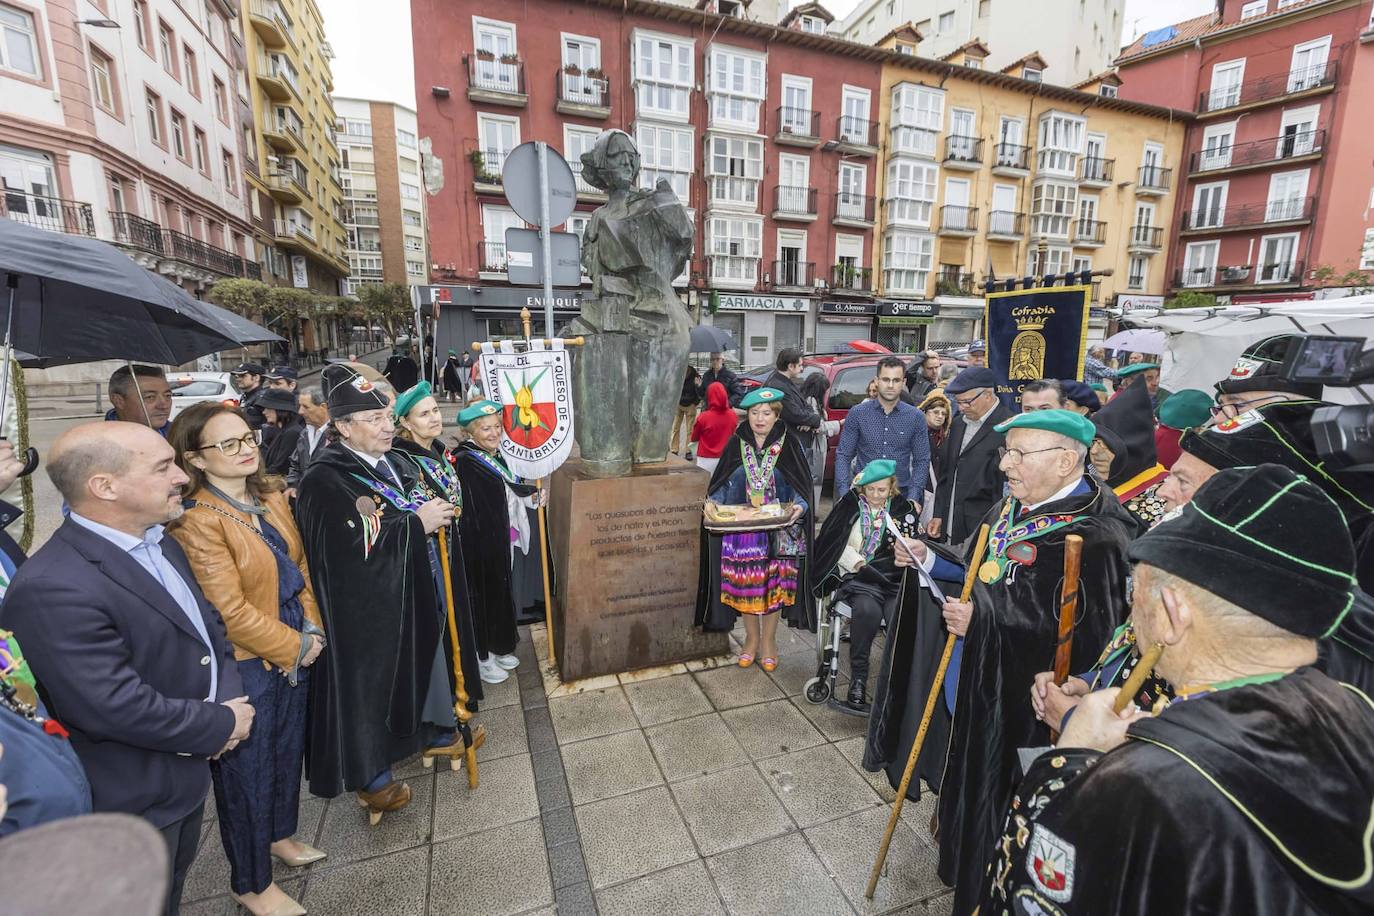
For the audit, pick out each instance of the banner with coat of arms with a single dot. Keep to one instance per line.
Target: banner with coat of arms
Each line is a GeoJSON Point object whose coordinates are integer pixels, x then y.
{"type": "Point", "coordinates": [534, 388]}
{"type": "Point", "coordinates": [1036, 333]}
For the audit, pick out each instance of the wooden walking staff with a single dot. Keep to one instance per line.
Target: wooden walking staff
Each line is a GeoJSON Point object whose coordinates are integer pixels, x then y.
{"type": "Point", "coordinates": [935, 691]}
{"type": "Point", "coordinates": [539, 484]}
{"type": "Point", "coordinates": [1068, 612]}
{"type": "Point", "coordinates": [460, 704]}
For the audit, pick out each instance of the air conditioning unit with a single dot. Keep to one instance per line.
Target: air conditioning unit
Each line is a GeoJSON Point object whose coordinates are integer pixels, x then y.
{"type": "Point", "coordinates": [1235, 274]}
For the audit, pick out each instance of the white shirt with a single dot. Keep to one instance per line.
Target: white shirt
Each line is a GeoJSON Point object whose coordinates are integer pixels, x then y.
{"type": "Point", "coordinates": [312, 435]}
{"type": "Point", "coordinates": [1062, 494]}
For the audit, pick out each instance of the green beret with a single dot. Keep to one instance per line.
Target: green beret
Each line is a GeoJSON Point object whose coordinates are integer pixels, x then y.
{"type": "Point", "coordinates": [1186, 409]}
{"type": "Point", "coordinates": [1065, 422]}
{"type": "Point", "coordinates": [452, 352]}
{"type": "Point", "coordinates": [1132, 370]}
{"type": "Point", "coordinates": [406, 401]}
{"type": "Point", "coordinates": [477, 410]}
{"type": "Point", "coordinates": [876, 470]}
{"type": "Point", "coordinates": [1098, 387]}
{"type": "Point", "coordinates": [761, 396]}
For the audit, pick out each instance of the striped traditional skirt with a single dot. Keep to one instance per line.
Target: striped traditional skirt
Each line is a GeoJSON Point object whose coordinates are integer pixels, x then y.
{"type": "Point", "coordinates": [752, 581]}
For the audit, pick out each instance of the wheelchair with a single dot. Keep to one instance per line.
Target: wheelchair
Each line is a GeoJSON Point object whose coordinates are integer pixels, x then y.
{"type": "Point", "coordinates": [831, 627]}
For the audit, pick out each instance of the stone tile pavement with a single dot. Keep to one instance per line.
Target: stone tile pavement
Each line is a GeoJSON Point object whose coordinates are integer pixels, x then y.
{"type": "Point", "coordinates": [693, 789]}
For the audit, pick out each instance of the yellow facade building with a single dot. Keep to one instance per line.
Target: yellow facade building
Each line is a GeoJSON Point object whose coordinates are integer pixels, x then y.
{"type": "Point", "coordinates": [295, 194]}
{"type": "Point", "coordinates": [998, 175]}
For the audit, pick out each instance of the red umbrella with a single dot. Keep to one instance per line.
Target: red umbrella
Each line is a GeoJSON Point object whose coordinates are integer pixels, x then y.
{"type": "Point", "coordinates": [868, 346]}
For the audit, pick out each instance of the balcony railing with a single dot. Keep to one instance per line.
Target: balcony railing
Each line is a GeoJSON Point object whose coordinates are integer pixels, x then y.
{"type": "Point", "coordinates": [137, 232]}
{"type": "Point", "coordinates": [1279, 272]}
{"type": "Point", "coordinates": [856, 131]}
{"type": "Point", "coordinates": [958, 219]}
{"type": "Point", "coordinates": [853, 207]}
{"type": "Point", "coordinates": [1090, 231]}
{"type": "Point", "coordinates": [1011, 156]}
{"type": "Point", "coordinates": [844, 278]}
{"type": "Point", "coordinates": [1258, 152]}
{"type": "Point", "coordinates": [794, 201]}
{"type": "Point", "coordinates": [1285, 210]}
{"type": "Point", "coordinates": [801, 123]}
{"type": "Point", "coordinates": [488, 169]}
{"type": "Point", "coordinates": [496, 75]}
{"type": "Point", "coordinates": [584, 187]}
{"type": "Point", "coordinates": [582, 89]}
{"type": "Point", "coordinates": [190, 250]}
{"type": "Point", "coordinates": [1153, 178]}
{"type": "Point", "coordinates": [493, 255]}
{"type": "Point", "coordinates": [1147, 236]}
{"type": "Point", "coordinates": [54, 214]}
{"type": "Point", "coordinates": [793, 274]}
{"type": "Point", "coordinates": [966, 150]}
{"type": "Point", "coordinates": [1006, 223]}
{"type": "Point", "coordinates": [954, 281]}
{"type": "Point", "coordinates": [252, 270]}
{"type": "Point", "coordinates": [1276, 86]}
{"type": "Point", "coordinates": [1095, 168]}
{"type": "Point", "coordinates": [362, 219]}
{"type": "Point", "coordinates": [733, 270]}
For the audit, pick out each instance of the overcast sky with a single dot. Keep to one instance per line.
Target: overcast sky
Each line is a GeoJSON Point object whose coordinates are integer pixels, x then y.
{"type": "Point", "coordinates": [373, 60]}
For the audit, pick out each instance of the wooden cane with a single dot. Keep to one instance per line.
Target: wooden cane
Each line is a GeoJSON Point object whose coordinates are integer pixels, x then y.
{"type": "Point", "coordinates": [1148, 659]}
{"type": "Point", "coordinates": [460, 706]}
{"type": "Point", "coordinates": [935, 690]}
{"type": "Point", "coordinates": [544, 565]}
{"type": "Point", "coordinates": [1068, 613]}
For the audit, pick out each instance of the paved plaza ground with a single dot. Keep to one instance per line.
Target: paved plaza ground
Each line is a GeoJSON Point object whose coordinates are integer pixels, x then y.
{"type": "Point", "coordinates": [673, 791]}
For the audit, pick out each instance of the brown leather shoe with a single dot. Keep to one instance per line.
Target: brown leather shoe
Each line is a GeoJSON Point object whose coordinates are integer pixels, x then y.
{"type": "Point", "coordinates": [391, 797]}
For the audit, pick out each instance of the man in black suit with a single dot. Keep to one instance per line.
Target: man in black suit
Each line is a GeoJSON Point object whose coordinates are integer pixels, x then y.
{"type": "Point", "coordinates": [316, 415]}
{"type": "Point", "coordinates": [135, 662]}
{"type": "Point", "coordinates": [970, 481]}
{"type": "Point", "coordinates": [802, 422]}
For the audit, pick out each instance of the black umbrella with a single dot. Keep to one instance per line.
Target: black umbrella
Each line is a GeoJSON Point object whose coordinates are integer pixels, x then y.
{"type": "Point", "coordinates": [708, 338]}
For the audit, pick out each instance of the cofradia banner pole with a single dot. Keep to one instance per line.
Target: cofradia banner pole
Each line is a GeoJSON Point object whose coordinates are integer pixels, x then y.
{"type": "Point", "coordinates": [533, 385]}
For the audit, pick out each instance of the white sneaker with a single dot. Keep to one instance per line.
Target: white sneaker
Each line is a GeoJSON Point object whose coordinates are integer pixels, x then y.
{"type": "Point", "coordinates": [509, 662]}
{"type": "Point", "coordinates": [490, 671]}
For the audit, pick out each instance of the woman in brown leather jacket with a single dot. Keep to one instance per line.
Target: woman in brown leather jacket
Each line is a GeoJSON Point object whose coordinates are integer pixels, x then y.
{"type": "Point", "coordinates": [243, 545]}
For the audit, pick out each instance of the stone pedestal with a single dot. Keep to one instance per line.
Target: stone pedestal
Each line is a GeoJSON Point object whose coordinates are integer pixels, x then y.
{"type": "Point", "coordinates": [627, 552]}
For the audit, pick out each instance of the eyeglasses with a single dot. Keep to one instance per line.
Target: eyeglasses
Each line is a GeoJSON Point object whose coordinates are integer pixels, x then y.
{"type": "Point", "coordinates": [1016, 454]}
{"type": "Point", "coordinates": [966, 402]}
{"type": "Point", "coordinates": [375, 420]}
{"type": "Point", "coordinates": [231, 447]}
{"type": "Point", "coordinates": [1238, 407]}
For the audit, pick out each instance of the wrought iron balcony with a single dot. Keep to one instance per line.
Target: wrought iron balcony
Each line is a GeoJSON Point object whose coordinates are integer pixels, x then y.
{"type": "Point", "coordinates": [853, 209]}
{"type": "Point", "coordinates": [496, 80]}
{"type": "Point", "coordinates": [797, 126]}
{"type": "Point", "coordinates": [583, 93]}
{"type": "Point", "coordinates": [1010, 157]}
{"type": "Point", "coordinates": [1089, 232]}
{"type": "Point", "coordinates": [857, 135]}
{"type": "Point", "coordinates": [1096, 170]}
{"type": "Point", "coordinates": [793, 274]}
{"type": "Point", "coordinates": [953, 281]}
{"type": "Point", "coordinates": [1279, 273]}
{"type": "Point", "coordinates": [1151, 179]}
{"type": "Point", "coordinates": [963, 152]}
{"type": "Point", "coordinates": [1006, 225]}
{"type": "Point", "coordinates": [190, 250]}
{"type": "Point", "coordinates": [137, 232]}
{"type": "Point", "coordinates": [956, 220]}
{"type": "Point", "coordinates": [847, 279]}
{"type": "Point", "coordinates": [54, 214]}
{"type": "Point", "coordinates": [1269, 88]}
{"type": "Point", "coordinates": [1146, 238]}
{"type": "Point", "coordinates": [1258, 153]}
{"type": "Point", "coordinates": [1285, 210]}
{"type": "Point", "coordinates": [486, 166]}
{"type": "Point", "coordinates": [492, 256]}
{"type": "Point", "coordinates": [794, 203]}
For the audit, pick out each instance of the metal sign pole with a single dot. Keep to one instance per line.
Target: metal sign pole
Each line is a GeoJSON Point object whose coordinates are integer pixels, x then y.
{"type": "Point", "coordinates": [545, 235]}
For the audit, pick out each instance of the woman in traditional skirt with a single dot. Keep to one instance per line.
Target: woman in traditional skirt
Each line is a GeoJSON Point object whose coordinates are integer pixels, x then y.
{"type": "Point", "coordinates": [761, 575]}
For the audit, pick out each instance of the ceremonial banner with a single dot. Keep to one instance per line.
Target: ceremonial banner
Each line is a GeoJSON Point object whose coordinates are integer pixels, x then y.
{"type": "Point", "coordinates": [534, 390]}
{"type": "Point", "coordinates": [1035, 333]}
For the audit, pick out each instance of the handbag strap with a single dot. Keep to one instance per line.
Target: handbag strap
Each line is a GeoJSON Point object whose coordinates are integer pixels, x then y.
{"type": "Point", "coordinates": [235, 518]}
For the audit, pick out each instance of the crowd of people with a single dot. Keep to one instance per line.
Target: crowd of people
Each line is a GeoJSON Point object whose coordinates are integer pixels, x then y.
{"type": "Point", "coordinates": [206, 618]}
{"type": "Point", "coordinates": [313, 582]}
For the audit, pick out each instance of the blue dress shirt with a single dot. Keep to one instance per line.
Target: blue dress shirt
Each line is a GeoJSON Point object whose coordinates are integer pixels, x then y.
{"type": "Point", "coordinates": [870, 433]}
{"type": "Point", "coordinates": [147, 552]}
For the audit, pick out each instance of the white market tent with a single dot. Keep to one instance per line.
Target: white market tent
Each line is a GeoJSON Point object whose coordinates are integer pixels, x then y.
{"type": "Point", "coordinates": [1203, 343]}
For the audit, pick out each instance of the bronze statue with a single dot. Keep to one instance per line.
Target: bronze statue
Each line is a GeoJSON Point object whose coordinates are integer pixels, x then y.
{"type": "Point", "coordinates": [628, 376]}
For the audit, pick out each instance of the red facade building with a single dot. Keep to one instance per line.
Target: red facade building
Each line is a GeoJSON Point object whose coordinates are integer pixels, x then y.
{"type": "Point", "coordinates": [767, 131]}
{"type": "Point", "coordinates": [1278, 186]}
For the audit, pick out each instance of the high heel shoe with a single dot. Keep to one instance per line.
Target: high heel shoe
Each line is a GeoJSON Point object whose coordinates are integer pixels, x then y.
{"type": "Point", "coordinates": [308, 855]}
{"type": "Point", "coordinates": [287, 907]}
{"type": "Point", "coordinates": [768, 663]}
{"type": "Point", "coordinates": [745, 659]}
{"type": "Point", "coordinates": [454, 751]}
{"type": "Point", "coordinates": [391, 797]}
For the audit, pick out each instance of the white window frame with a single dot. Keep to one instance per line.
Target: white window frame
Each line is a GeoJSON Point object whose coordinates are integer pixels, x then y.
{"type": "Point", "coordinates": [102, 81]}
{"type": "Point", "coordinates": [652, 87]}
{"type": "Point", "coordinates": [733, 98]}
{"type": "Point", "coordinates": [1051, 261]}
{"type": "Point", "coordinates": [940, 26]}
{"type": "Point", "coordinates": [1061, 137]}
{"type": "Point", "coordinates": [1304, 142]}
{"type": "Point", "coordinates": [1309, 75]}
{"type": "Point", "coordinates": [794, 119]}
{"type": "Point", "coordinates": [1253, 8]}
{"type": "Point", "coordinates": [1221, 157]}
{"type": "Point", "coordinates": [790, 238]}
{"type": "Point", "coordinates": [794, 197]}
{"type": "Point", "coordinates": [578, 86]}
{"type": "Point", "coordinates": [677, 168]}
{"type": "Point", "coordinates": [962, 144]}
{"type": "Point", "coordinates": [850, 204]}
{"type": "Point", "coordinates": [1051, 213]}
{"type": "Point", "coordinates": [483, 119]}
{"type": "Point", "coordinates": [1196, 220]}
{"type": "Point", "coordinates": [1144, 275]}
{"type": "Point", "coordinates": [1279, 209]}
{"type": "Point", "coordinates": [917, 118]}
{"type": "Point", "coordinates": [1291, 263]}
{"type": "Point", "coordinates": [1367, 251]}
{"type": "Point", "coordinates": [1201, 259]}
{"type": "Point", "coordinates": [1232, 94]}
{"type": "Point", "coordinates": [1003, 224]}
{"type": "Point", "coordinates": [573, 150]}
{"type": "Point", "coordinates": [958, 221]}
{"type": "Point", "coordinates": [848, 130]}
{"type": "Point", "coordinates": [907, 270]}
{"type": "Point", "coordinates": [31, 33]}
{"type": "Point", "coordinates": [733, 259]}
{"type": "Point", "coordinates": [726, 185]}
{"type": "Point", "coordinates": [911, 187]}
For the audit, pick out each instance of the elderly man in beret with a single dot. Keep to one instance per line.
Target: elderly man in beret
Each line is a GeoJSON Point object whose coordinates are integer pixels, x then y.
{"type": "Point", "coordinates": [1195, 808]}
{"type": "Point", "coordinates": [970, 482]}
{"type": "Point", "coordinates": [1010, 627]}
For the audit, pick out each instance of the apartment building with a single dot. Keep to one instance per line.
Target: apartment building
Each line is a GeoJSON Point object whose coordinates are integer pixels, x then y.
{"type": "Point", "coordinates": [767, 132]}
{"type": "Point", "coordinates": [1005, 176]}
{"type": "Point", "coordinates": [1076, 38]}
{"type": "Point", "coordinates": [1276, 179]}
{"type": "Point", "coordinates": [295, 191]}
{"type": "Point", "coordinates": [118, 120]}
{"type": "Point", "coordinates": [384, 201]}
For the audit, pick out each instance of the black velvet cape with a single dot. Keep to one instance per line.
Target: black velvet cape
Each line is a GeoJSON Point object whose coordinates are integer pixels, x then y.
{"type": "Point", "coordinates": [485, 528]}
{"type": "Point", "coordinates": [1141, 831]}
{"type": "Point", "coordinates": [795, 468]}
{"type": "Point", "coordinates": [882, 573]}
{"type": "Point", "coordinates": [422, 460]}
{"type": "Point", "coordinates": [1011, 637]}
{"type": "Point", "coordinates": [381, 617]}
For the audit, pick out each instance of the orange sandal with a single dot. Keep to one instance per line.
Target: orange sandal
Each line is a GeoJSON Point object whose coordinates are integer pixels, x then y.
{"type": "Point", "coordinates": [745, 659]}
{"type": "Point", "coordinates": [768, 664]}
